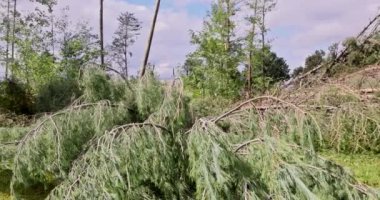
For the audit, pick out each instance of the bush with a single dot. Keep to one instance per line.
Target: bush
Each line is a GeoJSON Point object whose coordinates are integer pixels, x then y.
{"type": "Point", "coordinates": [97, 86]}
{"type": "Point", "coordinates": [57, 94]}
{"type": "Point", "coordinates": [16, 97]}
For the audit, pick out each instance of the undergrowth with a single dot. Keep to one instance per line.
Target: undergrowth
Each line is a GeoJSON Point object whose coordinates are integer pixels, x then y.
{"type": "Point", "coordinates": [141, 141]}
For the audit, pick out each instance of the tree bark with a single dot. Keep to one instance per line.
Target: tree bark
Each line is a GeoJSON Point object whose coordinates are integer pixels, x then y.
{"type": "Point", "coordinates": [251, 47]}
{"type": "Point", "coordinates": [228, 24]}
{"type": "Point", "coordinates": [150, 39]}
{"type": "Point", "coordinates": [52, 29]}
{"type": "Point", "coordinates": [101, 36]}
{"type": "Point", "coordinates": [14, 30]}
{"type": "Point", "coordinates": [7, 38]}
{"type": "Point", "coordinates": [126, 59]}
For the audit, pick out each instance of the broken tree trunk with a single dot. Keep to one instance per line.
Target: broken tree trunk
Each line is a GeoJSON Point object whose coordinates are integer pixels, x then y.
{"type": "Point", "coordinates": [150, 39]}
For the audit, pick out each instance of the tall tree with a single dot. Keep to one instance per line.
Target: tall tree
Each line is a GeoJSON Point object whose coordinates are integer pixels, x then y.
{"type": "Point", "coordinates": [8, 27]}
{"type": "Point", "coordinates": [150, 39]}
{"type": "Point", "coordinates": [266, 7]}
{"type": "Point", "coordinates": [102, 36]}
{"type": "Point", "coordinates": [314, 60]}
{"type": "Point", "coordinates": [14, 30]}
{"type": "Point", "coordinates": [125, 36]}
{"type": "Point", "coordinates": [275, 68]}
{"type": "Point", "coordinates": [213, 67]}
{"type": "Point", "coordinates": [50, 5]}
{"type": "Point", "coordinates": [35, 64]}
{"type": "Point", "coordinates": [254, 19]}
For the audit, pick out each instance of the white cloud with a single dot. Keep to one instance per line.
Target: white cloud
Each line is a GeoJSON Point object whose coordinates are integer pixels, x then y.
{"type": "Point", "coordinates": [316, 24]}
{"type": "Point", "coordinates": [298, 26]}
{"type": "Point", "coordinates": [171, 41]}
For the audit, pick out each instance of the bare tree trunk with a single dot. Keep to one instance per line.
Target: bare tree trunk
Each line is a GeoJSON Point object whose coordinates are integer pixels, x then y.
{"type": "Point", "coordinates": [249, 76]}
{"type": "Point", "coordinates": [228, 24]}
{"type": "Point", "coordinates": [263, 26]}
{"type": "Point", "coordinates": [7, 38]}
{"type": "Point", "coordinates": [150, 39]}
{"type": "Point", "coordinates": [14, 29]}
{"type": "Point", "coordinates": [126, 60]}
{"type": "Point", "coordinates": [101, 36]}
{"type": "Point", "coordinates": [52, 29]}
{"type": "Point", "coordinates": [251, 47]}
{"type": "Point", "coordinates": [263, 32]}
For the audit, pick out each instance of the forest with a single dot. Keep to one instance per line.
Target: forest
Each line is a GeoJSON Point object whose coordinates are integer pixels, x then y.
{"type": "Point", "coordinates": [235, 121]}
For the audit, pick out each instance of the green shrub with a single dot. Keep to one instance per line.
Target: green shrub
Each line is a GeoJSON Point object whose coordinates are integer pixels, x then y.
{"type": "Point", "coordinates": [57, 94]}
{"type": "Point", "coordinates": [16, 97]}
{"type": "Point", "coordinates": [149, 95]}
{"type": "Point", "coordinates": [97, 86]}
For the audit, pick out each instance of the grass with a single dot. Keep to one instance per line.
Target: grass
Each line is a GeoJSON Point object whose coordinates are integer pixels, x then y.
{"type": "Point", "coordinates": [5, 177]}
{"type": "Point", "coordinates": [4, 185]}
{"type": "Point", "coordinates": [365, 167]}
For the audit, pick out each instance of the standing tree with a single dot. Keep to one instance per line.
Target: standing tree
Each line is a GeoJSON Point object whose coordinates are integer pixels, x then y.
{"type": "Point", "coordinates": [254, 20]}
{"type": "Point", "coordinates": [213, 67]}
{"type": "Point", "coordinates": [275, 68]}
{"type": "Point", "coordinates": [50, 5]}
{"type": "Point", "coordinates": [101, 36]}
{"type": "Point", "coordinates": [14, 30]}
{"type": "Point", "coordinates": [8, 27]}
{"type": "Point", "coordinates": [266, 7]}
{"type": "Point", "coordinates": [125, 36]}
{"type": "Point", "coordinates": [260, 59]}
{"type": "Point", "coordinates": [314, 60]}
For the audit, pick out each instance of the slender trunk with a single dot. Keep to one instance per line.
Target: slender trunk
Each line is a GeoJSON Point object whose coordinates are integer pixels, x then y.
{"type": "Point", "coordinates": [126, 53]}
{"type": "Point", "coordinates": [7, 38]}
{"type": "Point", "coordinates": [126, 62]}
{"type": "Point", "coordinates": [52, 30]}
{"type": "Point", "coordinates": [101, 36]}
{"type": "Point", "coordinates": [263, 27]}
{"type": "Point", "coordinates": [228, 24]}
{"type": "Point", "coordinates": [251, 48]}
{"type": "Point", "coordinates": [150, 39]}
{"type": "Point", "coordinates": [14, 30]}
{"type": "Point", "coordinates": [263, 32]}
{"type": "Point", "coordinates": [249, 76]}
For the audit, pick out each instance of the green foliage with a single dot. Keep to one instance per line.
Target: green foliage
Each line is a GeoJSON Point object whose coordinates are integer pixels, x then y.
{"type": "Point", "coordinates": [207, 106]}
{"type": "Point", "coordinates": [57, 94]}
{"type": "Point", "coordinates": [355, 128]}
{"type": "Point", "coordinates": [124, 38]}
{"type": "Point", "coordinates": [213, 68]}
{"type": "Point", "coordinates": [8, 143]}
{"type": "Point", "coordinates": [364, 166]}
{"type": "Point", "coordinates": [251, 154]}
{"type": "Point", "coordinates": [60, 138]}
{"type": "Point", "coordinates": [16, 97]}
{"type": "Point", "coordinates": [359, 54]}
{"type": "Point", "coordinates": [363, 53]}
{"type": "Point", "coordinates": [243, 157]}
{"type": "Point", "coordinates": [97, 85]}
{"type": "Point", "coordinates": [216, 171]}
{"type": "Point", "coordinates": [349, 123]}
{"type": "Point", "coordinates": [78, 50]}
{"type": "Point", "coordinates": [314, 60]}
{"type": "Point", "coordinates": [275, 68]}
{"type": "Point", "coordinates": [135, 161]}
{"type": "Point", "coordinates": [297, 71]}
{"type": "Point", "coordinates": [149, 95]}
{"type": "Point", "coordinates": [13, 120]}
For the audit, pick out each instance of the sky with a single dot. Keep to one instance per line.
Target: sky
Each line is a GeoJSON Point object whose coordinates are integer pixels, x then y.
{"type": "Point", "coordinates": [297, 27]}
